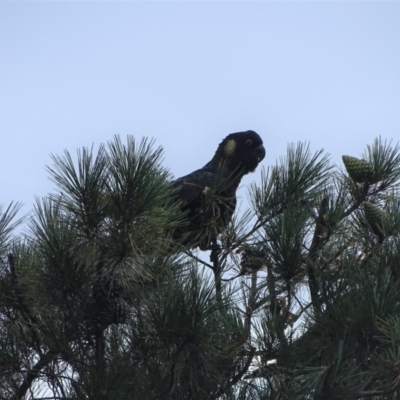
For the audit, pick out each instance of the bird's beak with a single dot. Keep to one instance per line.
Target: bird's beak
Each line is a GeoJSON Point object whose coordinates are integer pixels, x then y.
{"type": "Point", "coordinates": [259, 151]}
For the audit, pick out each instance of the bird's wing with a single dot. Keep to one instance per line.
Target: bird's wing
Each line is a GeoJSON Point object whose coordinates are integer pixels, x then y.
{"type": "Point", "coordinates": [190, 187]}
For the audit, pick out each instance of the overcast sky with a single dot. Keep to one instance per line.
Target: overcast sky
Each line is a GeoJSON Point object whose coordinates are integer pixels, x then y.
{"type": "Point", "coordinates": [189, 73]}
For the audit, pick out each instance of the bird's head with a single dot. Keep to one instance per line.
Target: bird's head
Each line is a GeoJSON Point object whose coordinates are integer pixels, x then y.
{"type": "Point", "coordinates": [242, 150]}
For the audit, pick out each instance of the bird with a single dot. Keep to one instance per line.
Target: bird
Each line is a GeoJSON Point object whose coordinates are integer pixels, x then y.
{"type": "Point", "coordinates": [208, 195]}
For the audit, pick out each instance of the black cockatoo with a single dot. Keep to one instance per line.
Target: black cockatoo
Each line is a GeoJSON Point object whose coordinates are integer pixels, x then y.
{"type": "Point", "coordinates": [208, 195]}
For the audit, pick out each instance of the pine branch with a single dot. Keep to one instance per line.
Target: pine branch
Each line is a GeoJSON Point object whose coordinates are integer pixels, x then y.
{"type": "Point", "coordinates": [214, 258]}
{"type": "Point", "coordinates": [272, 291]}
{"type": "Point", "coordinates": [27, 314]}
{"type": "Point", "coordinates": [318, 241]}
{"type": "Point", "coordinates": [239, 375]}
{"type": "Point", "coordinates": [34, 372]}
{"type": "Point", "coordinates": [250, 307]}
{"type": "Point", "coordinates": [100, 354]}
{"type": "Point", "coordinates": [54, 398]}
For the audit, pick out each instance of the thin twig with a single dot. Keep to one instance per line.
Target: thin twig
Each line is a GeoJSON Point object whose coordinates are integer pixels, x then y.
{"type": "Point", "coordinates": [190, 254]}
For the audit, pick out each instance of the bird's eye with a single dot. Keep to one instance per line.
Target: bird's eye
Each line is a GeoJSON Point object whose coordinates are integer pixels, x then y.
{"type": "Point", "coordinates": [248, 142]}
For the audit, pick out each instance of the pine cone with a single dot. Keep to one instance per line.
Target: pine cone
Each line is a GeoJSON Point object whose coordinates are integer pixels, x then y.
{"type": "Point", "coordinates": [97, 314]}
{"type": "Point", "coordinates": [377, 219]}
{"type": "Point", "coordinates": [359, 170]}
{"type": "Point", "coordinates": [102, 315]}
{"type": "Point", "coordinates": [252, 260]}
{"type": "Point", "coordinates": [119, 311]}
{"type": "Point", "coordinates": [105, 288]}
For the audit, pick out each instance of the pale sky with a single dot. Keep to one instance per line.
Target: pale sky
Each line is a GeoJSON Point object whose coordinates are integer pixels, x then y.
{"type": "Point", "coordinates": [188, 74]}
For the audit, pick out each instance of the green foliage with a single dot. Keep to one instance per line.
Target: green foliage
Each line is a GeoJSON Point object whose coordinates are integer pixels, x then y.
{"type": "Point", "coordinates": [6, 223]}
{"type": "Point", "coordinates": [98, 301]}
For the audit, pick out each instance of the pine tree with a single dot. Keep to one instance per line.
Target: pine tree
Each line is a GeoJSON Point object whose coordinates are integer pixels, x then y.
{"type": "Point", "coordinates": [98, 301]}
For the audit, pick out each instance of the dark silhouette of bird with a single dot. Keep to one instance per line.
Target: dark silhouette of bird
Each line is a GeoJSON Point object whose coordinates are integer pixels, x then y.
{"type": "Point", "coordinates": [208, 195]}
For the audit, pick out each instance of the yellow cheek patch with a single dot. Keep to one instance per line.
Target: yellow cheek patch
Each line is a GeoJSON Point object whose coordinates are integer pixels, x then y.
{"type": "Point", "coordinates": [230, 147]}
